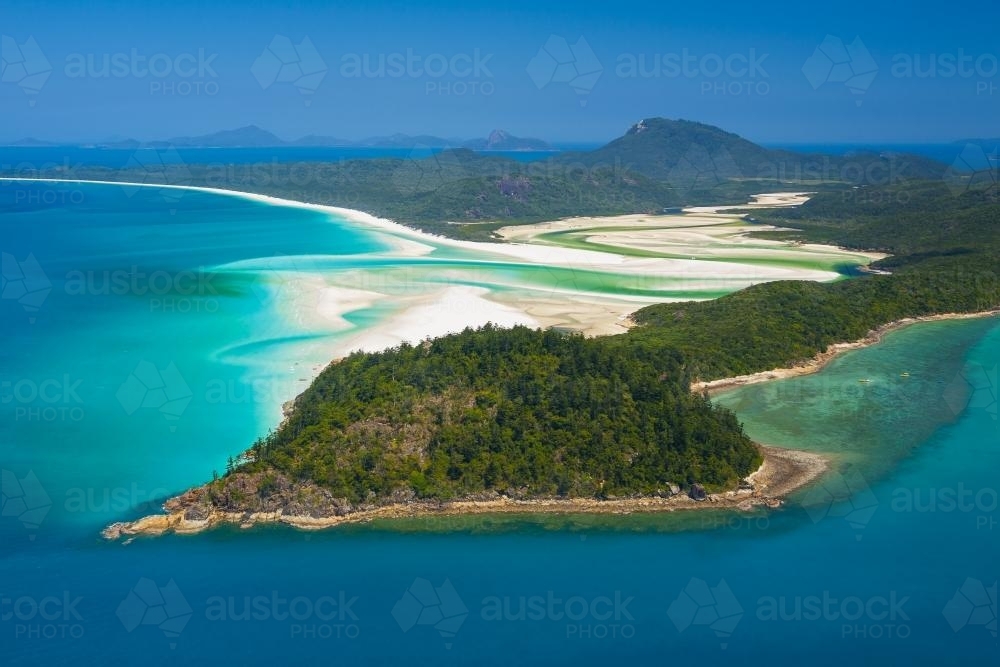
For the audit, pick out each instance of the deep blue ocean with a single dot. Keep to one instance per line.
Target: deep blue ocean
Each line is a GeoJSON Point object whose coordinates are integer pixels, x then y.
{"type": "Point", "coordinates": [112, 398]}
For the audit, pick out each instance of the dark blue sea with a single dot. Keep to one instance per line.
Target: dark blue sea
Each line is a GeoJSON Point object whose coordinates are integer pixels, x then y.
{"type": "Point", "coordinates": [892, 558]}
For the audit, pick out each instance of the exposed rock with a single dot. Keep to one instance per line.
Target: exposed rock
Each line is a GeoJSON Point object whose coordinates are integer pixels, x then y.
{"type": "Point", "coordinates": [251, 498]}
{"type": "Point", "coordinates": [199, 512]}
{"type": "Point", "coordinates": [515, 187]}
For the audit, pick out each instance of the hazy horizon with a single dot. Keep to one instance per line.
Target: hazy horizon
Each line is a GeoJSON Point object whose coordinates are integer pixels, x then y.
{"type": "Point", "coordinates": [594, 141]}
{"type": "Point", "coordinates": [573, 74]}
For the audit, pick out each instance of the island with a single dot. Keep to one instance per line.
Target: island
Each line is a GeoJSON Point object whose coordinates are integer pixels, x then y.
{"type": "Point", "coordinates": [526, 420]}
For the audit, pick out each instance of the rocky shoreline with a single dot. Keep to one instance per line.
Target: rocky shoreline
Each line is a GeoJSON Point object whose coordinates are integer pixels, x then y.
{"type": "Point", "coordinates": [782, 472]}
{"type": "Point", "coordinates": [818, 362]}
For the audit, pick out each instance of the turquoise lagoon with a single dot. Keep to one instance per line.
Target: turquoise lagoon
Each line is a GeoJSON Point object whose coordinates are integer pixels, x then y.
{"type": "Point", "coordinates": [115, 398]}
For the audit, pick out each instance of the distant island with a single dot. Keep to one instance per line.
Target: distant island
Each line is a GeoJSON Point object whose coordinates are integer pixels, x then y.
{"type": "Point", "coordinates": [657, 164]}
{"type": "Point", "coordinates": [252, 136]}
{"type": "Point", "coordinates": [498, 140]}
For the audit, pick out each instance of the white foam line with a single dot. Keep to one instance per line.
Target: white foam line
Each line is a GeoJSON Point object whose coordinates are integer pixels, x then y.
{"type": "Point", "coordinates": [415, 243]}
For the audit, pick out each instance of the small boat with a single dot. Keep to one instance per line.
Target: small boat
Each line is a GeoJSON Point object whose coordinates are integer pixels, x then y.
{"type": "Point", "coordinates": [904, 375]}
{"type": "Point", "coordinates": [864, 381]}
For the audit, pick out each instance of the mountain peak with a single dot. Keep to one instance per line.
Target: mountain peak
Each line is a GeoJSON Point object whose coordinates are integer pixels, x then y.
{"type": "Point", "coordinates": [501, 140]}
{"type": "Point", "coordinates": [638, 127]}
{"type": "Point", "coordinates": [497, 137]}
{"type": "Point", "coordinates": [249, 135]}
{"type": "Point", "coordinates": [678, 125]}
{"type": "Point", "coordinates": [665, 148]}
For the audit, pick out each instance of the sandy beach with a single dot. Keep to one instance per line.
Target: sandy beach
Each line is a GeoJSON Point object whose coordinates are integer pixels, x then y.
{"type": "Point", "coordinates": [764, 200]}
{"type": "Point", "coordinates": [706, 246]}
{"type": "Point", "coordinates": [588, 310]}
{"type": "Point", "coordinates": [721, 235]}
{"type": "Point", "coordinates": [585, 290]}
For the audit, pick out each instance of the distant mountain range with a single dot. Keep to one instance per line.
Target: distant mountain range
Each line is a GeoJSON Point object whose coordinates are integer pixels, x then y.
{"type": "Point", "coordinates": [252, 136]}
{"type": "Point", "coordinates": [31, 142]}
{"type": "Point", "coordinates": [644, 144]}
{"type": "Point", "coordinates": [657, 164]}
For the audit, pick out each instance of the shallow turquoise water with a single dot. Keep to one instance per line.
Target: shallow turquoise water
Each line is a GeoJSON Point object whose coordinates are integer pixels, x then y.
{"type": "Point", "coordinates": [882, 526]}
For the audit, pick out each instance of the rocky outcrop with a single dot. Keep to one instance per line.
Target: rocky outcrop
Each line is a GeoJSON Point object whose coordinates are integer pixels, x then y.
{"type": "Point", "coordinates": [247, 499]}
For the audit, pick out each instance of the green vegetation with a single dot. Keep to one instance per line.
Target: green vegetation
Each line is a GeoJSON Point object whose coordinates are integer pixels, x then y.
{"type": "Point", "coordinates": [459, 193]}
{"type": "Point", "coordinates": [946, 258]}
{"type": "Point", "coordinates": [916, 221]}
{"type": "Point", "coordinates": [523, 412]}
{"type": "Point", "coordinates": [530, 413]}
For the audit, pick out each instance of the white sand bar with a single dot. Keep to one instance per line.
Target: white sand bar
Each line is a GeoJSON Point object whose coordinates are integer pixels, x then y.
{"type": "Point", "coordinates": [531, 279]}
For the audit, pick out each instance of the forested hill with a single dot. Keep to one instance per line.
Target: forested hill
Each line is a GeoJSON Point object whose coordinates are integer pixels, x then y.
{"type": "Point", "coordinates": [532, 414]}
{"type": "Point", "coordinates": [516, 411]}
{"type": "Point", "coordinates": [946, 258]}
{"type": "Point", "coordinates": [696, 158]}
{"type": "Point", "coordinates": [656, 164]}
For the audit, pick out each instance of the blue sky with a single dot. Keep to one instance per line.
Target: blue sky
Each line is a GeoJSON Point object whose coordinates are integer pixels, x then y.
{"type": "Point", "coordinates": [214, 70]}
